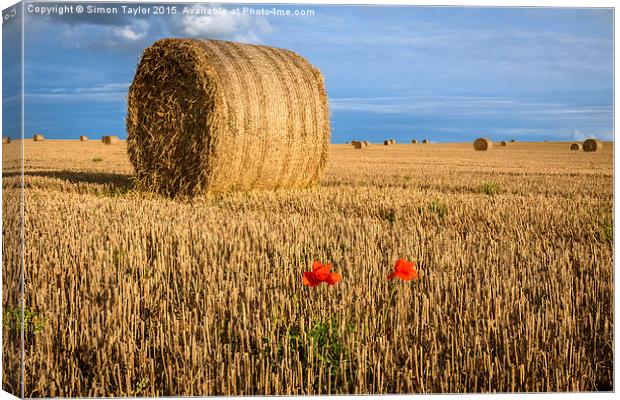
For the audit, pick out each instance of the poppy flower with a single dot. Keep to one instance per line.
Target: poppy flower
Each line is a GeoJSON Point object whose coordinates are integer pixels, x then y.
{"type": "Point", "coordinates": [320, 273]}
{"type": "Point", "coordinates": [404, 270]}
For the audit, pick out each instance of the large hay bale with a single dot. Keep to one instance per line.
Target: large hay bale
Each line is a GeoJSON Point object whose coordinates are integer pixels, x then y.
{"type": "Point", "coordinates": [575, 146]}
{"type": "Point", "coordinates": [502, 143]}
{"type": "Point", "coordinates": [103, 139]}
{"type": "Point", "coordinates": [387, 142]}
{"type": "Point", "coordinates": [38, 137]}
{"type": "Point", "coordinates": [83, 138]}
{"type": "Point", "coordinates": [365, 143]}
{"type": "Point", "coordinates": [592, 145]}
{"type": "Point", "coordinates": [414, 141]}
{"type": "Point", "coordinates": [110, 139]}
{"type": "Point", "coordinates": [210, 116]}
{"type": "Point", "coordinates": [482, 144]}
{"type": "Point", "coordinates": [424, 141]}
{"type": "Point", "coordinates": [356, 144]}
{"type": "Point", "coordinates": [6, 139]}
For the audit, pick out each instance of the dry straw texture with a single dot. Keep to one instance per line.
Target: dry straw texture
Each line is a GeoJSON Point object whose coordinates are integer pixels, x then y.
{"type": "Point", "coordinates": [110, 139]}
{"type": "Point", "coordinates": [365, 143]}
{"type": "Point", "coordinates": [575, 146]}
{"type": "Point", "coordinates": [148, 296]}
{"type": "Point", "coordinates": [211, 116]}
{"type": "Point", "coordinates": [38, 138]}
{"type": "Point", "coordinates": [482, 144]}
{"type": "Point", "coordinates": [592, 145]}
{"type": "Point", "coordinates": [357, 145]}
{"type": "Point", "coordinates": [83, 138]}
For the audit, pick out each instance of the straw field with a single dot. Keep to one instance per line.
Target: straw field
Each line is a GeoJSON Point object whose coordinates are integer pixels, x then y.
{"type": "Point", "coordinates": [129, 294]}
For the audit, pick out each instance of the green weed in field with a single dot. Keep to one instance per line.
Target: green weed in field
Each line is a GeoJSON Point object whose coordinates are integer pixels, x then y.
{"type": "Point", "coordinates": [490, 188]}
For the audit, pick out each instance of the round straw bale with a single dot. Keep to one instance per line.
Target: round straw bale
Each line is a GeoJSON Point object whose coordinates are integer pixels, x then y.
{"type": "Point", "coordinates": [211, 116]}
{"type": "Point", "coordinates": [592, 145]}
{"type": "Point", "coordinates": [38, 137]}
{"type": "Point", "coordinates": [575, 146]}
{"type": "Point", "coordinates": [424, 141]}
{"type": "Point", "coordinates": [365, 143]}
{"type": "Point", "coordinates": [482, 144]}
{"type": "Point", "coordinates": [356, 144]}
{"type": "Point", "coordinates": [387, 142]}
{"type": "Point", "coordinates": [110, 139]}
{"type": "Point", "coordinates": [83, 138]}
{"type": "Point", "coordinates": [512, 141]}
{"type": "Point", "coordinates": [502, 143]}
{"type": "Point", "coordinates": [6, 139]}
{"type": "Point", "coordinates": [414, 141]}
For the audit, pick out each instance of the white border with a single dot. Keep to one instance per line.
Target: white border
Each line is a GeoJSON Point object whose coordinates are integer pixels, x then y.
{"type": "Point", "coordinates": [479, 3]}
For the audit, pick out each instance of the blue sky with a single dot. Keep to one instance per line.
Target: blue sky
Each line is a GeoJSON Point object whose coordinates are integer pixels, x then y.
{"type": "Point", "coordinates": [447, 74]}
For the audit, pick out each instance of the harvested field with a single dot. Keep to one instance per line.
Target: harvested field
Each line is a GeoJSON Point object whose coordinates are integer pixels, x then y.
{"type": "Point", "coordinates": [134, 294]}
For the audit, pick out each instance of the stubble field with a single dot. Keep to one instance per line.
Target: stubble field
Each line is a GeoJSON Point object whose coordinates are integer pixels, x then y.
{"type": "Point", "coordinates": [131, 294]}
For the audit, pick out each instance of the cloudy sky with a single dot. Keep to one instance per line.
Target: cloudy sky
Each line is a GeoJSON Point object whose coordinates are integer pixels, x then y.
{"type": "Point", "coordinates": [447, 74]}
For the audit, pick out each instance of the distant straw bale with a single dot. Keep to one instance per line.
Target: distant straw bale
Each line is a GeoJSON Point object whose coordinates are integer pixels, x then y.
{"type": "Point", "coordinates": [513, 141]}
{"type": "Point", "coordinates": [502, 143]}
{"type": "Point", "coordinates": [414, 141]}
{"type": "Point", "coordinates": [83, 138]}
{"type": "Point", "coordinates": [592, 145]}
{"type": "Point", "coordinates": [358, 145]}
{"type": "Point", "coordinates": [387, 142]}
{"type": "Point", "coordinates": [424, 141]}
{"type": "Point", "coordinates": [482, 144]}
{"type": "Point", "coordinates": [211, 116]}
{"type": "Point", "coordinates": [575, 146]}
{"type": "Point", "coordinates": [110, 139]}
{"type": "Point", "coordinates": [38, 137]}
{"type": "Point", "coordinates": [6, 139]}
{"type": "Point", "coordinates": [365, 143]}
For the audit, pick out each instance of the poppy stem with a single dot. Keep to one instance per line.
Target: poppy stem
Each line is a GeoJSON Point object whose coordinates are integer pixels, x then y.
{"type": "Point", "coordinates": [388, 304]}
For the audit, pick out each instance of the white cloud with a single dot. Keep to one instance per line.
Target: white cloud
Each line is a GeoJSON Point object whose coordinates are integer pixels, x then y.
{"type": "Point", "coordinates": [135, 31]}
{"type": "Point", "coordinates": [103, 92]}
{"type": "Point", "coordinates": [222, 25]}
{"type": "Point", "coordinates": [470, 106]}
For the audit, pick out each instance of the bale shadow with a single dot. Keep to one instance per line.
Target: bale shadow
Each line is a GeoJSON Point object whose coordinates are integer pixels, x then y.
{"type": "Point", "coordinates": [120, 181]}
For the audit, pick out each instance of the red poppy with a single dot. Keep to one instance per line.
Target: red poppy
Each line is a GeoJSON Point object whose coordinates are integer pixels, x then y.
{"type": "Point", "coordinates": [320, 273]}
{"type": "Point", "coordinates": [404, 270]}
